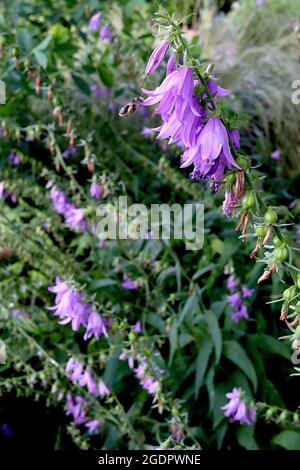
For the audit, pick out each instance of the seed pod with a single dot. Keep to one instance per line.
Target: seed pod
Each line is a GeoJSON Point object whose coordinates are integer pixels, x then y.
{"type": "Point", "coordinates": [261, 231]}
{"type": "Point", "coordinates": [290, 293]}
{"type": "Point", "coordinates": [281, 254]}
{"type": "Point", "coordinates": [249, 200]}
{"type": "Point", "coordinates": [270, 217]}
{"type": "Point", "coordinates": [277, 242]}
{"type": "Point", "coordinates": [243, 162]}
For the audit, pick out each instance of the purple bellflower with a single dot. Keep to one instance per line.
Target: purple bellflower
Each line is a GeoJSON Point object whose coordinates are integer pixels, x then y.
{"type": "Point", "coordinates": [95, 22]}
{"type": "Point", "coordinates": [237, 410]}
{"type": "Point", "coordinates": [157, 57]}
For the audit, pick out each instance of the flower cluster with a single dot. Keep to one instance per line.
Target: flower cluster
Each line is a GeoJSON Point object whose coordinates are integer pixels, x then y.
{"type": "Point", "coordinates": [77, 408]}
{"type": "Point", "coordinates": [71, 308]}
{"type": "Point", "coordinates": [14, 158]}
{"type": "Point", "coordinates": [72, 150]}
{"type": "Point", "coordinates": [74, 217]}
{"type": "Point", "coordinates": [185, 121]}
{"type": "Point", "coordinates": [105, 32]}
{"type": "Point", "coordinates": [84, 378]}
{"type": "Point", "coordinates": [237, 409]}
{"type": "Point", "coordinates": [6, 194]}
{"type": "Point", "coordinates": [236, 297]}
{"type": "Point", "coordinates": [129, 284]}
{"type": "Point", "coordinates": [96, 190]}
{"type": "Point", "coordinates": [148, 376]}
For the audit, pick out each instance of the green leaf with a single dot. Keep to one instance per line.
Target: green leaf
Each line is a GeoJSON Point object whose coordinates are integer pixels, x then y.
{"type": "Point", "coordinates": [289, 440]}
{"type": "Point", "coordinates": [44, 44]}
{"type": "Point", "coordinates": [173, 338]}
{"type": "Point", "coordinates": [204, 353]}
{"type": "Point", "coordinates": [236, 354]}
{"type": "Point", "coordinates": [99, 283]}
{"type": "Point", "coordinates": [215, 331]}
{"type": "Point", "coordinates": [41, 58]}
{"type": "Point", "coordinates": [81, 84]}
{"type": "Point", "coordinates": [202, 271]}
{"type": "Point", "coordinates": [106, 75]}
{"type": "Point", "coordinates": [189, 307]}
{"type": "Point", "coordinates": [24, 39]}
{"type": "Point", "coordinates": [245, 437]}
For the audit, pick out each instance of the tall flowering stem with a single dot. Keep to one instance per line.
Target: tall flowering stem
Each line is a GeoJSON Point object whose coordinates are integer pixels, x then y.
{"type": "Point", "coordinates": [191, 116]}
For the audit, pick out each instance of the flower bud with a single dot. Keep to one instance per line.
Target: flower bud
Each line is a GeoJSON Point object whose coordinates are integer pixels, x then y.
{"type": "Point", "coordinates": [243, 162]}
{"type": "Point", "coordinates": [277, 242]}
{"type": "Point", "coordinates": [261, 232]}
{"type": "Point", "coordinates": [281, 254]}
{"type": "Point", "coordinates": [270, 217]}
{"type": "Point", "coordinates": [290, 293]}
{"type": "Point", "coordinates": [229, 181]}
{"type": "Point", "coordinates": [249, 200]}
{"type": "Point", "coordinates": [270, 412]}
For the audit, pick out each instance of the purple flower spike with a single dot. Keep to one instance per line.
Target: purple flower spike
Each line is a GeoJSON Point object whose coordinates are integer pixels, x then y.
{"type": "Point", "coordinates": [237, 409]}
{"type": "Point", "coordinates": [94, 22]}
{"type": "Point", "coordinates": [157, 57]}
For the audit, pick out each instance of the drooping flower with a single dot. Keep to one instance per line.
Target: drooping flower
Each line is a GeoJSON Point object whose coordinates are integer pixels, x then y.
{"type": "Point", "coordinates": [93, 426]}
{"type": "Point", "coordinates": [72, 150]}
{"type": "Point", "coordinates": [75, 218]}
{"type": "Point", "coordinates": [157, 57]}
{"type": "Point", "coordinates": [129, 283]}
{"type": "Point", "coordinates": [235, 299]}
{"type": "Point", "coordinates": [242, 312]}
{"type": "Point", "coordinates": [14, 158]}
{"type": "Point", "coordinates": [95, 327]}
{"type": "Point", "coordinates": [103, 390]}
{"type": "Point", "coordinates": [95, 22]}
{"type": "Point", "coordinates": [276, 155]}
{"type": "Point", "coordinates": [232, 283]}
{"type": "Point", "coordinates": [211, 152]}
{"type": "Point", "coordinates": [77, 409]}
{"type": "Point", "coordinates": [106, 33]}
{"type": "Point", "coordinates": [96, 190]}
{"type": "Point", "coordinates": [68, 306]}
{"type": "Point", "coordinates": [137, 327]}
{"type": "Point", "coordinates": [247, 292]}
{"type": "Point", "coordinates": [237, 409]}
